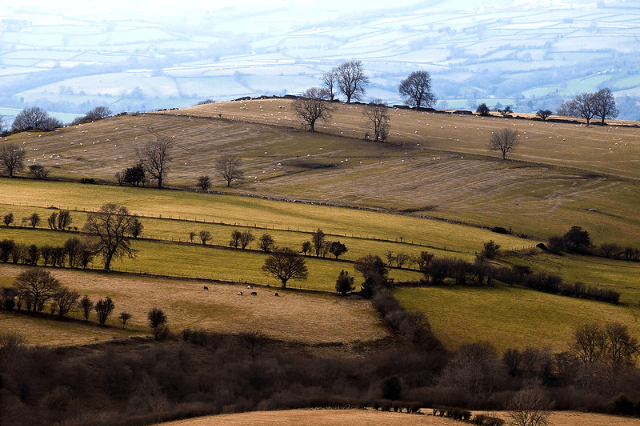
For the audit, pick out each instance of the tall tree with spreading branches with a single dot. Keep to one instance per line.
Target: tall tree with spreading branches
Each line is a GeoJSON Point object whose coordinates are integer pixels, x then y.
{"type": "Point", "coordinates": [329, 81]}
{"type": "Point", "coordinates": [377, 113]}
{"type": "Point", "coordinates": [351, 80]}
{"type": "Point", "coordinates": [228, 167]}
{"type": "Point", "coordinates": [12, 158]}
{"type": "Point", "coordinates": [285, 264]}
{"type": "Point", "coordinates": [313, 106]}
{"type": "Point", "coordinates": [605, 104]}
{"type": "Point", "coordinates": [155, 156]}
{"type": "Point", "coordinates": [111, 227]}
{"type": "Point", "coordinates": [504, 141]}
{"type": "Point", "coordinates": [417, 90]}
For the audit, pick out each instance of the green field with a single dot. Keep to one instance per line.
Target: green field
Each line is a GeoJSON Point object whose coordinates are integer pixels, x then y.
{"type": "Point", "coordinates": [509, 316]}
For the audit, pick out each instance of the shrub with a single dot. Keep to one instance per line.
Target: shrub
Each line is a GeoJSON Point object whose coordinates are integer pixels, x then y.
{"type": "Point", "coordinates": [89, 181]}
{"type": "Point", "coordinates": [103, 309]}
{"type": "Point", "coordinates": [161, 332]}
{"type": "Point", "coordinates": [623, 405]}
{"type": "Point", "coordinates": [499, 230]}
{"type": "Point", "coordinates": [391, 388]}
{"type": "Point", "coordinates": [344, 283]}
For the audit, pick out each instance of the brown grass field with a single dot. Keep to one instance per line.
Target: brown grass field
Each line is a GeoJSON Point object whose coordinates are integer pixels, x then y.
{"type": "Point", "coordinates": [434, 164]}
{"type": "Point", "coordinates": [368, 417]}
{"type": "Point", "coordinates": [293, 316]}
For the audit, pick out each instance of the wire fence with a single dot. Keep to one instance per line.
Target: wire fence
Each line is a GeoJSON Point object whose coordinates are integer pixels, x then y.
{"type": "Point", "coordinates": [211, 221]}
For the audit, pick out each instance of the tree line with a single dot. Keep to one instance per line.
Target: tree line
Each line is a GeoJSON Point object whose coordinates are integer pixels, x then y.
{"type": "Point", "coordinates": [198, 373]}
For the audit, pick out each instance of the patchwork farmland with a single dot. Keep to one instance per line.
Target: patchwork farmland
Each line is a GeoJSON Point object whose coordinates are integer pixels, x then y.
{"type": "Point", "coordinates": [432, 188]}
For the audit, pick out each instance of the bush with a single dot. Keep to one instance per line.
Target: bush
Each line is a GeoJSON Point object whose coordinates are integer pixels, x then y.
{"type": "Point", "coordinates": [161, 332]}
{"type": "Point", "coordinates": [89, 181]}
{"type": "Point", "coordinates": [623, 405]}
{"type": "Point", "coordinates": [499, 230]}
{"type": "Point", "coordinates": [391, 388]}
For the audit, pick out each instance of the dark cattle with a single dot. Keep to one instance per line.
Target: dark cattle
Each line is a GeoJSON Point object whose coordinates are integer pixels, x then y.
{"type": "Point", "coordinates": [254, 293]}
{"type": "Point", "coordinates": [206, 288]}
{"type": "Point", "coordinates": [276, 294]}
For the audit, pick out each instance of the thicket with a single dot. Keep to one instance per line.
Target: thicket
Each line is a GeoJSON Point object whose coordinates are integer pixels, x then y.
{"type": "Point", "coordinates": [74, 253]}
{"type": "Point", "coordinates": [446, 271]}
{"type": "Point", "coordinates": [577, 240]}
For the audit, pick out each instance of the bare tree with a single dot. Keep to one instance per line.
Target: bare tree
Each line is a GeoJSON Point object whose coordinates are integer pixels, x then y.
{"type": "Point", "coordinates": [620, 347]}
{"type": "Point", "coordinates": [66, 301]}
{"type": "Point", "coordinates": [318, 240]}
{"type": "Point", "coordinates": [589, 343]}
{"type": "Point", "coordinates": [12, 158]}
{"type": "Point", "coordinates": [112, 227]}
{"type": "Point", "coordinates": [245, 239]}
{"type": "Point", "coordinates": [235, 238]}
{"type": "Point", "coordinates": [38, 171]}
{"type": "Point", "coordinates": [7, 219]}
{"type": "Point", "coordinates": [98, 113]}
{"type": "Point", "coordinates": [329, 81]}
{"type": "Point", "coordinates": [504, 141]}
{"type": "Point", "coordinates": [254, 342]}
{"type": "Point", "coordinates": [530, 407]}
{"type": "Point", "coordinates": [544, 114]}
{"type": "Point", "coordinates": [337, 249]}
{"type": "Point", "coordinates": [417, 90]}
{"type": "Point", "coordinates": [605, 104]}
{"type": "Point", "coordinates": [64, 219]}
{"type": "Point", "coordinates": [34, 119]}
{"type": "Point", "coordinates": [583, 105]}
{"type": "Point", "coordinates": [378, 114]}
{"type": "Point", "coordinates": [36, 286]}
{"type": "Point", "coordinates": [266, 243]}
{"type": "Point", "coordinates": [286, 264]}
{"type": "Point", "coordinates": [155, 155]}
{"type": "Point", "coordinates": [312, 106]}
{"type": "Point", "coordinates": [204, 236]}
{"type": "Point", "coordinates": [229, 168]}
{"type": "Point", "coordinates": [351, 80]}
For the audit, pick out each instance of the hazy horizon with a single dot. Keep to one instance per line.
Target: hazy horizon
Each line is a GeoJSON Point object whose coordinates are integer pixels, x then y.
{"type": "Point", "coordinates": [69, 56]}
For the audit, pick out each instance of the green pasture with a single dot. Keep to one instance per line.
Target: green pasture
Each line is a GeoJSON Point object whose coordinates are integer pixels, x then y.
{"type": "Point", "coordinates": [207, 262]}
{"type": "Point", "coordinates": [248, 212]}
{"type": "Point", "coordinates": [509, 316]}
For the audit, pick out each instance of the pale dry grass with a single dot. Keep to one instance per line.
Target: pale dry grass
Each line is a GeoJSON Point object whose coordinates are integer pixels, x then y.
{"type": "Point", "coordinates": [369, 417]}
{"type": "Point", "coordinates": [435, 164]}
{"type": "Point", "coordinates": [293, 316]}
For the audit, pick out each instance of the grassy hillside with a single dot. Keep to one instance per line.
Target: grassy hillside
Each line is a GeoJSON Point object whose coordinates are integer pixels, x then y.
{"type": "Point", "coordinates": [434, 165]}
{"type": "Point", "coordinates": [292, 316]}
{"type": "Point", "coordinates": [509, 316]}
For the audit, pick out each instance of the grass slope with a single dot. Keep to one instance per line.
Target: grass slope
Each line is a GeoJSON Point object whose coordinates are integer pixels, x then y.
{"type": "Point", "coordinates": [509, 316]}
{"type": "Point", "coordinates": [435, 164]}
{"type": "Point", "coordinates": [294, 316]}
